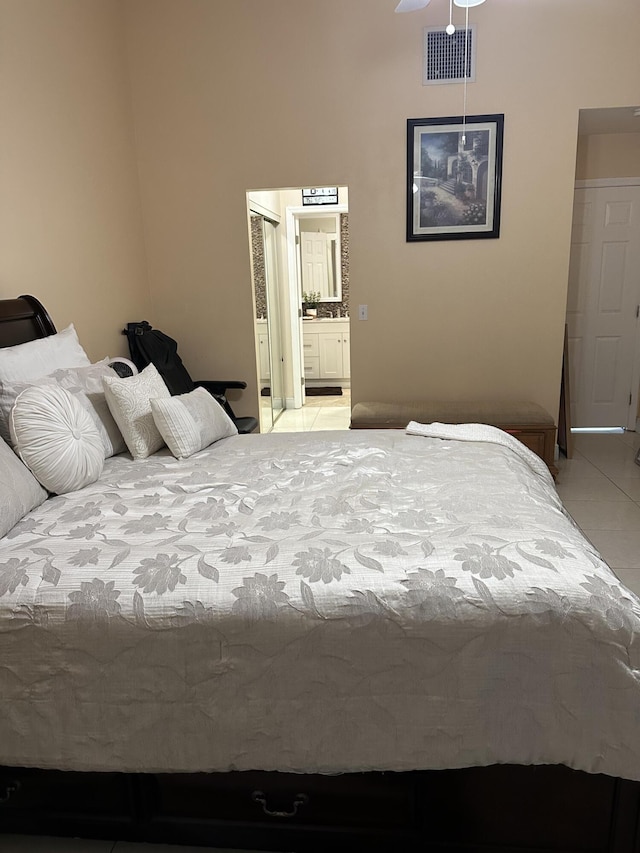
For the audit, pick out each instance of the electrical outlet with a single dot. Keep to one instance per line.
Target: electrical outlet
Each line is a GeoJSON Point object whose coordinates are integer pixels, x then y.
{"type": "Point", "coordinates": [363, 312]}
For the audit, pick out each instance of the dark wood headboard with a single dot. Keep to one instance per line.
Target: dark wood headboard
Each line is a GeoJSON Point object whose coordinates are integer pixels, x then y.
{"type": "Point", "coordinates": [23, 319]}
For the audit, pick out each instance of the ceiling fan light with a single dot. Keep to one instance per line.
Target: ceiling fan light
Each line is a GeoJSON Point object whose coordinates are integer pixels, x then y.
{"type": "Point", "coordinates": [467, 4]}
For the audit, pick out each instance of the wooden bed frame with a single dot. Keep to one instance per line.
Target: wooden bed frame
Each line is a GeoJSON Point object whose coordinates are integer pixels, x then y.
{"type": "Point", "coordinates": [505, 808]}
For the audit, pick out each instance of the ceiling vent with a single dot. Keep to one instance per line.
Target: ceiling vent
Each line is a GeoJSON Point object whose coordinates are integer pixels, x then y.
{"type": "Point", "coordinates": [444, 55]}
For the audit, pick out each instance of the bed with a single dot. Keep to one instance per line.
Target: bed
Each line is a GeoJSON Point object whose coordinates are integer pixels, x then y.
{"type": "Point", "coordinates": [381, 639]}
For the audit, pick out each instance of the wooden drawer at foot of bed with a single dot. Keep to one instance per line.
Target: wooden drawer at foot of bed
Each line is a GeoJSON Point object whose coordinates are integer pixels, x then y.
{"type": "Point", "coordinates": [497, 809]}
{"type": "Point", "coordinates": [50, 801]}
{"type": "Point", "coordinates": [355, 800]}
{"type": "Point", "coordinates": [501, 807]}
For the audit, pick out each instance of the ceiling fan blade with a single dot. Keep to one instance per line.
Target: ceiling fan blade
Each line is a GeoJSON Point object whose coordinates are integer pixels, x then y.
{"type": "Point", "coordinates": [411, 5]}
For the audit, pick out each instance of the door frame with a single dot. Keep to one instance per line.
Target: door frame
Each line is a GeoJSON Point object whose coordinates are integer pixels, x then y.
{"type": "Point", "coordinates": [601, 183]}
{"type": "Point", "coordinates": [295, 291]}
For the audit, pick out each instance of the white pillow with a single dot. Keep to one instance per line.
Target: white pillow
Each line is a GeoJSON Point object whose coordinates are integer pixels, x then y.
{"type": "Point", "coordinates": [129, 400]}
{"type": "Point", "coordinates": [34, 359]}
{"type": "Point", "coordinates": [83, 382]}
{"type": "Point", "coordinates": [20, 492]}
{"type": "Point", "coordinates": [191, 422]}
{"type": "Point", "coordinates": [56, 439]}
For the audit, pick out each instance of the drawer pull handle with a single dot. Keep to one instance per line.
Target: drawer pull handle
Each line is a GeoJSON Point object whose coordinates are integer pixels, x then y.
{"type": "Point", "coordinates": [8, 790]}
{"type": "Point", "coordinates": [260, 797]}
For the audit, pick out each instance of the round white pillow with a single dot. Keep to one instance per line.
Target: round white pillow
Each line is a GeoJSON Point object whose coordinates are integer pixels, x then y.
{"type": "Point", "coordinates": [56, 438]}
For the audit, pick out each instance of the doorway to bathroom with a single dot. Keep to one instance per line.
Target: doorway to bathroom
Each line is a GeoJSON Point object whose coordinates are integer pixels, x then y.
{"type": "Point", "coordinates": [306, 335]}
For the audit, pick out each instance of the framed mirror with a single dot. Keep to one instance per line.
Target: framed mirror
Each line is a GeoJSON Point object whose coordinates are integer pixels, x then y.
{"type": "Point", "coordinates": [318, 239]}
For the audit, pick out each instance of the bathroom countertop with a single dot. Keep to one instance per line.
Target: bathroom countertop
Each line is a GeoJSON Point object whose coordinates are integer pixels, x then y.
{"type": "Point", "coordinates": [325, 319]}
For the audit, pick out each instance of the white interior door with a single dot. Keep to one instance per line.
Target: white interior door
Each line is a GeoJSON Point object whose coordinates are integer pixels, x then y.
{"type": "Point", "coordinates": [602, 306]}
{"type": "Point", "coordinates": [315, 257]}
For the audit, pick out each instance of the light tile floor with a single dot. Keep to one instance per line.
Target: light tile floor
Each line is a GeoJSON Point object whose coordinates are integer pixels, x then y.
{"type": "Point", "coordinates": [318, 413]}
{"type": "Point", "coordinates": [600, 487]}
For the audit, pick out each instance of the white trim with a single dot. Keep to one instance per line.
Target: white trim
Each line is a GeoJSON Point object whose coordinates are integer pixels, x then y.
{"type": "Point", "coordinates": [595, 183]}
{"type": "Point", "coordinates": [295, 322]}
{"type": "Point", "coordinates": [603, 183]}
{"type": "Point", "coordinates": [312, 212]}
{"type": "Point", "coordinates": [254, 207]}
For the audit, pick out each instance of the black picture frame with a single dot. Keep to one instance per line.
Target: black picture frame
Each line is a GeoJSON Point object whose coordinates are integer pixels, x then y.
{"type": "Point", "coordinates": [459, 197]}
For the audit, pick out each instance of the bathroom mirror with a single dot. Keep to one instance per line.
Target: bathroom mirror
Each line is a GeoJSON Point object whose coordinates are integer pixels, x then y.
{"type": "Point", "coordinates": [319, 245]}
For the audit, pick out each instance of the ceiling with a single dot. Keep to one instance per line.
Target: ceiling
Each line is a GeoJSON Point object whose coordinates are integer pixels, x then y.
{"type": "Point", "coordinates": [610, 120]}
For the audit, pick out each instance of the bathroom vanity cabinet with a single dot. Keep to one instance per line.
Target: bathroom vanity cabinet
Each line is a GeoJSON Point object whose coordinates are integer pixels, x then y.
{"type": "Point", "coordinates": [326, 350]}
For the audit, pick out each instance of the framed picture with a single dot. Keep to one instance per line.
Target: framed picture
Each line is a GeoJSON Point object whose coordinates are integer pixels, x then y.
{"type": "Point", "coordinates": [454, 177]}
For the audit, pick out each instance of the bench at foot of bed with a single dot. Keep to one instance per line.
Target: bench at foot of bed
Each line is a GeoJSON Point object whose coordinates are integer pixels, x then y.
{"type": "Point", "coordinates": [528, 422]}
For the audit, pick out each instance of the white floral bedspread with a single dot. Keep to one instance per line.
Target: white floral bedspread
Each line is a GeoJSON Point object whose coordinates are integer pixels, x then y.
{"type": "Point", "coordinates": [317, 602]}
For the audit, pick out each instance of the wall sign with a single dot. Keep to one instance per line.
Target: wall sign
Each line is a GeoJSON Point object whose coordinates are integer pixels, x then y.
{"type": "Point", "coordinates": [320, 195]}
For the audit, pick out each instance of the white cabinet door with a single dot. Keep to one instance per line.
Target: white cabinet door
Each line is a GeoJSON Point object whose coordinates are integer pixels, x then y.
{"type": "Point", "coordinates": [263, 343]}
{"type": "Point", "coordinates": [331, 366]}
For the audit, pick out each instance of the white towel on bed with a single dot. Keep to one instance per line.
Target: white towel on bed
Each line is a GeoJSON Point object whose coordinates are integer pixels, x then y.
{"type": "Point", "coordinates": [481, 432]}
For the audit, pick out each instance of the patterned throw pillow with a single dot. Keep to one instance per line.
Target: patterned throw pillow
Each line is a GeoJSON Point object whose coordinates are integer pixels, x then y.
{"type": "Point", "coordinates": [56, 439]}
{"type": "Point", "coordinates": [190, 422]}
{"type": "Point", "coordinates": [20, 492]}
{"type": "Point", "coordinates": [21, 364]}
{"type": "Point", "coordinates": [83, 382]}
{"type": "Point", "coordinates": [130, 403]}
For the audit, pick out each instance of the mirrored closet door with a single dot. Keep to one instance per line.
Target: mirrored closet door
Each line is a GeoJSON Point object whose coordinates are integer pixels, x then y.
{"type": "Point", "coordinates": [268, 318]}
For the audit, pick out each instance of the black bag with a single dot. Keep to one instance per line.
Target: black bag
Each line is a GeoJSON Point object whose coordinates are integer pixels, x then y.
{"type": "Point", "coordinates": [151, 346]}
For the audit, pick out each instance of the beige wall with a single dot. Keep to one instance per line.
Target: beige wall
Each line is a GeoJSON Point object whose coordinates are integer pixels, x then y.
{"type": "Point", "coordinates": [219, 110]}
{"type": "Point", "coordinates": [608, 155]}
{"type": "Point", "coordinates": [70, 219]}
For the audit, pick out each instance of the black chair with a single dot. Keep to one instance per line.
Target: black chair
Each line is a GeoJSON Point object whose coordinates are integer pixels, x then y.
{"type": "Point", "coordinates": [151, 346]}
